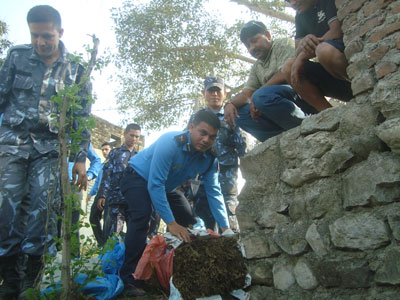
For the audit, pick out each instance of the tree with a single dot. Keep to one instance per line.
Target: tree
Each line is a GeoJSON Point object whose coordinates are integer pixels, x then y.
{"type": "Point", "coordinates": [4, 43]}
{"type": "Point", "coordinates": [165, 50]}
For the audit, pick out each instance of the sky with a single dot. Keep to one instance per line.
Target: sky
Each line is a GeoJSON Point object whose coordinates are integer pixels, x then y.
{"type": "Point", "coordinates": [81, 18]}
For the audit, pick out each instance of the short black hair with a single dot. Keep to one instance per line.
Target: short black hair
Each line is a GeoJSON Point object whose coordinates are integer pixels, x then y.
{"type": "Point", "coordinates": [132, 126]}
{"type": "Point", "coordinates": [44, 14]}
{"type": "Point", "coordinates": [106, 144]}
{"type": "Point", "coordinates": [250, 29]}
{"type": "Point", "coordinates": [208, 117]}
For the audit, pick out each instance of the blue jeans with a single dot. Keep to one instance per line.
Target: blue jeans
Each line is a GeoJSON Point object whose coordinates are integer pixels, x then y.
{"type": "Point", "coordinates": [281, 109]}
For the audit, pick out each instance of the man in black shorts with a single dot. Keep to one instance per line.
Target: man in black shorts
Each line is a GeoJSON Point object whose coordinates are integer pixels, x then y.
{"type": "Point", "coordinates": [318, 34]}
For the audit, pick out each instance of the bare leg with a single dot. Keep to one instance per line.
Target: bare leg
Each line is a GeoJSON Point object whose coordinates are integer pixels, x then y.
{"type": "Point", "coordinates": [333, 60]}
{"type": "Point", "coordinates": [308, 91]}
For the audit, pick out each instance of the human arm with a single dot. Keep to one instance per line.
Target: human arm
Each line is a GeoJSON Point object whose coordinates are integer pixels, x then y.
{"type": "Point", "coordinates": [230, 109]}
{"type": "Point", "coordinates": [93, 191]}
{"type": "Point", "coordinates": [214, 196]}
{"type": "Point", "coordinates": [79, 171]}
{"type": "Point", "coordinates": [104, 185]}
{"type": "Point", "coordinates": [6, 80]}
{"type": "Point", "coordinates": [95, 164]}
{"type": "Point", "coordinates": [101, 202]}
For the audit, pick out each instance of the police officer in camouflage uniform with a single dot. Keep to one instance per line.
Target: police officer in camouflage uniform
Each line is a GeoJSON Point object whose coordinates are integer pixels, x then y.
{"type": "Point", "coordinates": [109, 195]}
{"type": "Point", "coordinates": [29, 175]}
{"type": "Point", "coordinates": [228, 147]}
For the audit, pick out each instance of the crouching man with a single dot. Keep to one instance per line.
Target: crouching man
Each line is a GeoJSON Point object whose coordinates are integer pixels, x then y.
{"type": "Point", "coordinates": [151, 179]}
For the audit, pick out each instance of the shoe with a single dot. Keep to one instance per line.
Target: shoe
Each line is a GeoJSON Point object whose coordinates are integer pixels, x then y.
{"type": "Point", "coordinates": [132, 291]}
{"type": "Point", "coordinates": [9, 289]}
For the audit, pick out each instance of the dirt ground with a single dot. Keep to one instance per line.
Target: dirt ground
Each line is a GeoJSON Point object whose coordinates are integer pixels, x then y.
{"type": "Point", "coordinates": [208, 266]}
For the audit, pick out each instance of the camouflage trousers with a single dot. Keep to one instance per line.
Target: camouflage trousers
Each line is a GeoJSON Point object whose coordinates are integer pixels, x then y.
{"type": "Point", "coordinates": [228, 181]}
{"type": "Point", "coordinates": [29, 199]}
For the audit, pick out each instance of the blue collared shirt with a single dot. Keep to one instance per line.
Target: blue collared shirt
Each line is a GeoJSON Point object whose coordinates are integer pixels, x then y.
{"type": "Point", "coordinates": [96, 185]}
{"type": "Point", "coordinates": [95, 164]}
{"type": "Point", "coordinates": [166, 165]}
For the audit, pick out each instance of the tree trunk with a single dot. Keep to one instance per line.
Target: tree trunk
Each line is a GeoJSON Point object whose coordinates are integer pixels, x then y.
{"type": "Point", "coordinates": [268, 11]}
{"type": "Point", "coordinates": [66, 282]}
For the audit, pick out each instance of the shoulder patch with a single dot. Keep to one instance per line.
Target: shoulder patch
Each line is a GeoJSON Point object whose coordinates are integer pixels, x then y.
{"type": "Point", "coordinates": [181, 139]}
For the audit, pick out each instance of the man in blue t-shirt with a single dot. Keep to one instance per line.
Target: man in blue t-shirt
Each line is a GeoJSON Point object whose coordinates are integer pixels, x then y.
{"type": "Point", "coordinates": [319, 35]}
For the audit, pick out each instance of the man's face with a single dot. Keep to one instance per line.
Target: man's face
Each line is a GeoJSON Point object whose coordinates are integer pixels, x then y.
{"type": "Point", "coordinates": [259, 45]}
{"type": "Point", "coordinates": [105, 150]}
{"type": "Point", "coordinates": [202, 136]}
{"type": "Point", "coordinates": [214, 97]}
{"type": "Point", "coordinates": [131, 137]}
{"type": "Point", "coordinates": [45, 38]}
{"type": "Point", "coordinates": [301, 5]}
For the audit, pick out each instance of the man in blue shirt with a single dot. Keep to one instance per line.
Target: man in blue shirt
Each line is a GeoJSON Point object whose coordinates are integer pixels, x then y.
{"type": "Point", "coordinates": [151, 179]}
{"type": "Point", "coordinates": [95, 213]}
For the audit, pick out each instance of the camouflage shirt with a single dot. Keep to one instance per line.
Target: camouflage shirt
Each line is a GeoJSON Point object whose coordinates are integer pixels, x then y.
{"type": "Point", "coordinates": [230, 144]}
{"type": "Point", "coordinates": [26, 86]}
{"type": "Point", "coordinates": [114, 166]}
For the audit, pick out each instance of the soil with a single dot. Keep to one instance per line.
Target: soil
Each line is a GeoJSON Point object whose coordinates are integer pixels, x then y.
{"type": "Point", "coordinates": [208, 266]}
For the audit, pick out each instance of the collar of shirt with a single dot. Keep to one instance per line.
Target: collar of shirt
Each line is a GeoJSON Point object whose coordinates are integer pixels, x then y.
{"type": "Point", "coordinates": [124, 148]}
{"type": "Point", "coordinates": [188, 146]}
{"type": "Point", "coordinates": [266, 60]}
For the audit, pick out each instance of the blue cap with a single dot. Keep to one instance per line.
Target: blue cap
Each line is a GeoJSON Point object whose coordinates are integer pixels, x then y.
{"type": "Point", "coordinates": [210, 82]}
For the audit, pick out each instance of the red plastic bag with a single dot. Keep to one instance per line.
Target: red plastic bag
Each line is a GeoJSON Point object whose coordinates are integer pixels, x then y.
{"type": "Point", "coordinates": [156, 255]}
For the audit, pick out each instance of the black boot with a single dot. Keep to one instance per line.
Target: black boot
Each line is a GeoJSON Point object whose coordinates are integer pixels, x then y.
{"type": "Point", "coordinates": [9, 289]}
{"type": "Point", "coordinates": [33, 269]}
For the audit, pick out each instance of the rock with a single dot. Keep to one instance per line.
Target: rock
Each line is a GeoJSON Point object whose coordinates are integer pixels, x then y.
{"type": "Point", "coordinates": [389, 132]}
{"type": "Point", "coordinates": [283, 276]}
{"type": "Point", "coordinates": [346, 273]}
{"type": "Point", "coordinates": [260, 272]}
{"type": "Point", "coordinates": [260, 244]}
{"type": "Point", "coordinates": [389, 273]}
{"type": "Point", "coordinates": [315, 241]}
{"type": "Point", "coordinates": [326, 120]}
{"type": "Point", "coordinates": [380, 181]}
{"type": "Point", "coordinates": [304, 275]}
{"type": "Point", "coordinates": [359, 231]}
{"type": "Point", "coordinates": [394, 224]}
{"type": "Point", "coordinates": [291, 237]}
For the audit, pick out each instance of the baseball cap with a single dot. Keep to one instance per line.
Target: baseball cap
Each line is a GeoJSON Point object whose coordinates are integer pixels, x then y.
{"type": "Point", "coordinates": [210, 82]}
{"type": "Point", "coordinates": [250, 29]}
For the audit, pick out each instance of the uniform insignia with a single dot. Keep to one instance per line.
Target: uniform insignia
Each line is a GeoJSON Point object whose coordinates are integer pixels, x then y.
{"type": "Point", "coordinates": [181, 139]}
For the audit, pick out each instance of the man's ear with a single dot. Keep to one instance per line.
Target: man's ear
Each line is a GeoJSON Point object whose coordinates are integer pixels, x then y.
{"type": "Point", "coordinates": [61, 32]}
{"type": "Point", "coordinates": [203, 92]}
{"type": "Point", "coordinates": [268, 34]}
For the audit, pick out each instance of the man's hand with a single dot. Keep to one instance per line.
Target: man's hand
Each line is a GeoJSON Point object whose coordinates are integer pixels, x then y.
{"type": "Point", "coordinates": [179, 231]}
{"type": "Point", "coordinates": [100, 203]}
{"type": "Point", "coordinates": [88, 199]}
{"type": "Point", "coordinates": [297, 70]}
{"type": "Point", "coordinates": [254, 112]}
{"type": "Point", "coordinates": [308, 44]}
{"type": "Point", "coordinates": [79, 170]}
{"type": "Point", "coordinates": [230, 112]}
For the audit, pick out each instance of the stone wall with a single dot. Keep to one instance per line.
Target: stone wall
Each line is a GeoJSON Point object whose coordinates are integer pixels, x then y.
{"type": "Point", "coordinates": [108, 132]}
{"type": "Point", "coordinates": [320, 210]}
